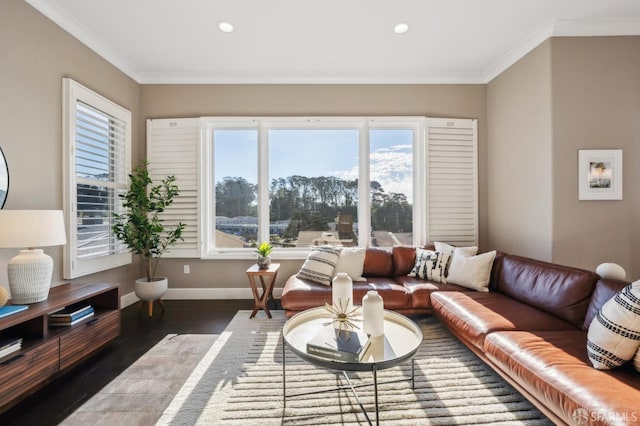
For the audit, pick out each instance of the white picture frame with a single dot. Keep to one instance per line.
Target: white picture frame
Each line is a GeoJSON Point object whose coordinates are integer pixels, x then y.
{"type": "Point", "coordinates": [600, 174]}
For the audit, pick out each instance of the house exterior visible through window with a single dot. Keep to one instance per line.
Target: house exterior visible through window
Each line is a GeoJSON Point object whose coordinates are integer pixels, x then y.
{"type": "Point", "coordinates": [306, 182]}
{"type": "Point", "coordinates": [97, 139]}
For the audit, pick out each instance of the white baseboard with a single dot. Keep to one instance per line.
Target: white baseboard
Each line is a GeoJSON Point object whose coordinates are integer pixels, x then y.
{"type": "Point", "coordinates": [200, 294]}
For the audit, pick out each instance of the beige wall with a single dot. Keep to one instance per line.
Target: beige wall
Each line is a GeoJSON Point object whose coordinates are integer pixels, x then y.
{"type": "Point", "coordinates": [171, 101]}
{"type": "Point", "coordinates": [566, 95]}
{"type": "Point", "coordinates": [35, 55]}
{"type": "Point", "coordinates": [519, 179]}
{"type": "Point", "coordinates": [596, 105]}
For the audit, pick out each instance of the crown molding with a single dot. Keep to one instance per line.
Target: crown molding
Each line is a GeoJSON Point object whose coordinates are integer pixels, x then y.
{"type": "Point", "coordinates": [563, 28]}
{"type": "Point", "coordinates": [64, 20]}
{"type": "Point", "coordinates": [238, 78]}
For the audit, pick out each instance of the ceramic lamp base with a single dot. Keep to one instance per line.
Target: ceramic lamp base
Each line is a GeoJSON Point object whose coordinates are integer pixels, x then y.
{"type": "Point", "coordinates": [30, 275]}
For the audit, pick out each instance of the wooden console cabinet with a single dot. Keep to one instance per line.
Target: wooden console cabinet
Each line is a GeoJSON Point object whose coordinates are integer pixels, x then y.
{"type": "Point", "coordinates": [47, 352]}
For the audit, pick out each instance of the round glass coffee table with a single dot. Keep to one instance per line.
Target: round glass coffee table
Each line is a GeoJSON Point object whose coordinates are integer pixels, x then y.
{"type": "Point", "coordinates": [402, 339]}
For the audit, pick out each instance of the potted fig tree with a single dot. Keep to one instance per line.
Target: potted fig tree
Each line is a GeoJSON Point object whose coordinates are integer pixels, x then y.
{"type": "Point", "coordinates": [143, 231]}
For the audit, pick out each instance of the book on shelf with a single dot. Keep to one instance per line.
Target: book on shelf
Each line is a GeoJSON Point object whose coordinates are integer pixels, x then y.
{"type": "Point", "coordinates": [341, 345]}
{"type": "Point", "coordinates": [70, 323]}
{"type": "Point", "coordinates": [72, 311]}
{"type": "Point", "coordinates": [7, 310]}
{"type": "Point", "coordinates": [10, 341]}
{"type": "Point", "coordinates": [65, 318]}
{"type": "Point", "coordinates": [9, 346]}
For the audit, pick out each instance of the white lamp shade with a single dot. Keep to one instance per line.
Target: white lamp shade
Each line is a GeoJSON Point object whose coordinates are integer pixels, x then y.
{"type": "Point", "coordinates": [31, 228]}
{"type": "Point", "coordinates": [30, 271]}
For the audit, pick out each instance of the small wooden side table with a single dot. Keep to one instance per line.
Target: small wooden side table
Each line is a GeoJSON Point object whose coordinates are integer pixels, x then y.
{"type": "Point", "coordinates": [260, 301]}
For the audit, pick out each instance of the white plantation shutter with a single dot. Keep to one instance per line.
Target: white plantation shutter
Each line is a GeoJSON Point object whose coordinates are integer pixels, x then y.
{"type": "Point", "coordinates": [452, 181]}
{"type": "Point", "coordinates": [172, 149]}
{"type": "Point", "coordinates": [97, 135]}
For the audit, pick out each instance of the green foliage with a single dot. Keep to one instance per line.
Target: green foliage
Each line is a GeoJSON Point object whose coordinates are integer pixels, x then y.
{"type": "Point", "coordinates": [264, 249]}
{"type": "Point", "coordinates": [140, 226]}
{"type": "Point", "coordinates": [309, 203]}
{"type": "Point", "coordinates": [235, 197]}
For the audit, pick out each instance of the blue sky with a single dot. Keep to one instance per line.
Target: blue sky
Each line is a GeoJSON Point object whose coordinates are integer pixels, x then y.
{"type": "Point", "coordinates": [317, 153]}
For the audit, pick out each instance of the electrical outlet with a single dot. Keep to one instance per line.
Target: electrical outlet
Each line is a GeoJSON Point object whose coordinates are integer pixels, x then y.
{"type": "Point", "coordinates": [187, 269]}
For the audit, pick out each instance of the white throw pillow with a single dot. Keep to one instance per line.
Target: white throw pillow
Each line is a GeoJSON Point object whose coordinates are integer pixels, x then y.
{"type": "Point", "coordinates": [473, 272]}
{"type": "Point", "coordinates": [431, 265]}
{"type": "Point", "coordinates": [440, 246]}
{"type": "Point", "coordinates": [351, 261]}
{"type": "Point", "coordinates": [614, 334]}
{"type": "Point", "coordinates": [319, 265]}
{"type": "Point", "coordinates": [636, 361]}
{"type": "Point", "coordinates": [469, 250]}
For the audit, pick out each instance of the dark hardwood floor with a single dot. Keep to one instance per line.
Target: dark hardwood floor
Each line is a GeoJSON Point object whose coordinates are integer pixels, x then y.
{"type": "Point", "coordinates": [139, 333]}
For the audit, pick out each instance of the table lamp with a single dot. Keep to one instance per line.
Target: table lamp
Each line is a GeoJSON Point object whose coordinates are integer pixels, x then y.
{"type": "Point", "coordinates": [31, 270]}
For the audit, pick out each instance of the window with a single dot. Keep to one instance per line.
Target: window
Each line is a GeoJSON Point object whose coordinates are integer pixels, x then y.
{"type": "Point", "coordinates": [97, 139]}
{"type": "Point", "coordinates": [391, 175]}
{"type": "Point", "coordinates": [300, 182]}
{"type": "Point", "coordinates": [236, 188]}
{"type": "Point", "coordinates": [313, 186]}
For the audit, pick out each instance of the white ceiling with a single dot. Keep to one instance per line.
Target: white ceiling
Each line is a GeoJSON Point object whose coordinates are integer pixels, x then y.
{"type": "Point", "coordinates": [329, 41]}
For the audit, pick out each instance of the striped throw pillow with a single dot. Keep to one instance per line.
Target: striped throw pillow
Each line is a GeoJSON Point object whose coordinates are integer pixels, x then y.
{"type": "Point", "coordinates": [614, 334]}
{"type": "Point", "coordinates": [431, 265]}
{"type": "Point", "coordinates": [319, 265]}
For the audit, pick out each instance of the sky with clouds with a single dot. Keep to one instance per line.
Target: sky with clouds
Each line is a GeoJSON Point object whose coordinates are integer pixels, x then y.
{"type": "Point", "coordinates": [318, 153]}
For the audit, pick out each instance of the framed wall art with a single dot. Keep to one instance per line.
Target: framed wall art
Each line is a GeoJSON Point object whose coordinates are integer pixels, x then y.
{"type": "Point", "coordinates": [600, 174]}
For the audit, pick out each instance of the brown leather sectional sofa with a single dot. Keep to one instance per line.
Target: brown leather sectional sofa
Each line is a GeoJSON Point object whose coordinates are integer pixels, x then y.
{"type": "Point", "coordinates": [531, 328]}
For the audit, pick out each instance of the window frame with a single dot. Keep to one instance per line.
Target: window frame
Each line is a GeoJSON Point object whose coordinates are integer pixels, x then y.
{"type": "Point", "coordinates": [72, 93]}
{"type": "Point", "coordinates": [263, 125]}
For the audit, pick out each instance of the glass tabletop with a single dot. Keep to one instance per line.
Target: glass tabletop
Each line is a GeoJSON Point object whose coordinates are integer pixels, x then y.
{"type": "Point", "coordinates": [401, 340]}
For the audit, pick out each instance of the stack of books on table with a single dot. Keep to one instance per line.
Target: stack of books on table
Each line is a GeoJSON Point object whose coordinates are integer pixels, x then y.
{"type": "Point", "coordinates": [70, 315]}
{"type": "Point", "coordinates": [340, 345]}
{"type": "Point", "coordinates": [9, 346]}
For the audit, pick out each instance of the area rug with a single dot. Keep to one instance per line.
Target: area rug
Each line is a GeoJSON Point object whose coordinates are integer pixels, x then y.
{"type": "Point", "coordinates": [239, 382]}
{"type": "Point", "coordinates": [140, 394]}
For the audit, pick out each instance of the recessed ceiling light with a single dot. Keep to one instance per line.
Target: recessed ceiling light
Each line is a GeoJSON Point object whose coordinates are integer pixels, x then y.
{"type": "Point", "coordinates": [225, 27]}
{"type": "Point", "coordinates": [401, 28]}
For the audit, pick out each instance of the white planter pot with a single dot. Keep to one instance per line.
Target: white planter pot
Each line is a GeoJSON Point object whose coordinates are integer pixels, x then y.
{"type": "Point", "coordinates": [153, 290]}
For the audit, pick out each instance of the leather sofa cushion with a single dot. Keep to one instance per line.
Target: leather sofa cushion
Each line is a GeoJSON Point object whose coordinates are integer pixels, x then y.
{"type": "Point", "coordinates": [553, 366]}
{"type": "Point", "coordinates": [473, 315]}
{"type": "Point", "coordinates": [605, 290]}
{"type": "Point", "coordinates": [560, 290]}
{"type": "Point", "coordinates": [394, 295]}
{"type": "Point", "coordinates": [300, 294]}
{"type": "Point", "coordinates": [378, 263]}
{"type": "Point", "coordinates": [420, 290]}
{"type": "Point", "coordinates": [404, 259]}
